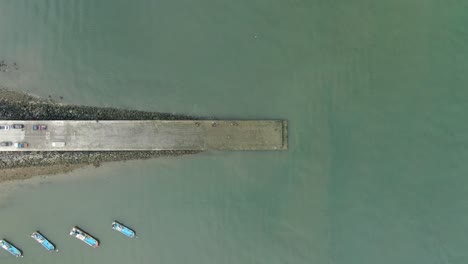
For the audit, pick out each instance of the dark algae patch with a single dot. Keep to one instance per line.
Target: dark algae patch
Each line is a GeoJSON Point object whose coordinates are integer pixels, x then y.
{"type": "Point", "coordinates": [8, 67]}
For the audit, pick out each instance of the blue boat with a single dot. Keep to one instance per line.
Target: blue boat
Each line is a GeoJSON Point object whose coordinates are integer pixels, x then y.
{"type": "Point", "coordinates": [41, 239]}
{"type": "Point", "coordinates": [85, 237]}
{"type": "Point", "coordinates": [123, 229]}
{"type": "Point", "coordinates": [11, 249]}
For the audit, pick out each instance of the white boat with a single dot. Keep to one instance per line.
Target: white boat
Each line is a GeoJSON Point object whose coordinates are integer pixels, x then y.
{"type": "Point", "coordinates": [85, 237]}
{"type": "Point", "coordinates": [123, 229]}
{"type": "Point", "coordinates": [41, 239]}
{"type": "Point", "coordinates": [11, 249]}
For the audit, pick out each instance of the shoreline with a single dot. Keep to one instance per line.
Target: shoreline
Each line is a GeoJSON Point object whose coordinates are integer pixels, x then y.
{"type": "Point", "coordinates": [24, 165]}
{"type": "Point", "coordinates": [19, 174]}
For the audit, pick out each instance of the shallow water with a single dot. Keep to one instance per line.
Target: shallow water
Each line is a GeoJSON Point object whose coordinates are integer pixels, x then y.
{"type": "Point", "coordinates": [375, 94]}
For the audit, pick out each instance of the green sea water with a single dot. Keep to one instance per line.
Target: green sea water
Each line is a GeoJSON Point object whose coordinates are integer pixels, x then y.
{"type": "Point", "coordinates": [375, 92]}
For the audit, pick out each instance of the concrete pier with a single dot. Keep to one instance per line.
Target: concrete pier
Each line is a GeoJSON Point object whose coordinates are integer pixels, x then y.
{"type": "Point", "coordinates": [147, 135]}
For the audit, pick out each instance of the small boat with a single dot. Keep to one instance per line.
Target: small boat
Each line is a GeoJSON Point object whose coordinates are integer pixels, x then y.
{"type": "Point", "coordinates": [11, 249]}
{"type": "Point", "coordinates": [41, 239]}
{"type": "Point", "coordinates": [85, 237]}
{"type": "Point", "coordinates": [123, 229]}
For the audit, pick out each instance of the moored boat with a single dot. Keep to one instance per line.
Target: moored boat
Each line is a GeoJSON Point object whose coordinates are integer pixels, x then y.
{"type": "Point", "coordinates": [123, 229]}
{"type": "Point", "coordinates": [11, 249]}
{"type": "Point", "coordinates": [85, 237]}
{"type": "Point", "coordinates": [41, 239]}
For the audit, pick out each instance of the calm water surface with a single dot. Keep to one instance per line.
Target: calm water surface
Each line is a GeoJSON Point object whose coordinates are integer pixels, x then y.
{"type": "Point", "coordinates": [375, 93]}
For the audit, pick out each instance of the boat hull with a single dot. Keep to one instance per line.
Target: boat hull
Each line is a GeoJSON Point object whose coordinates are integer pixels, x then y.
{"type": "Point", "coordinates": [126, 231]}
{"type": "Point", "coordinates": [85, 237]}
{"type": "Point", "coordinates": [11, 248]}
{"type": "Point", "coordinates": [41, 239]}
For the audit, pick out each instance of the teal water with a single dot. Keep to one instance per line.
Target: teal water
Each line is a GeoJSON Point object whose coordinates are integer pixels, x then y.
{"type": "Point", "coordinates": [375, 93]}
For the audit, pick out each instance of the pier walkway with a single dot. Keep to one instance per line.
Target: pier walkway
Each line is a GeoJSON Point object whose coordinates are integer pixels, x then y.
{"type": "Point", "coordinates": [146, 135]}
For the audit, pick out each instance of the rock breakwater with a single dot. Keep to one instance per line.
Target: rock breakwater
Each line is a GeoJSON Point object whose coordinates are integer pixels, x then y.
{"type": "Point", "coordinates": [20, 106]}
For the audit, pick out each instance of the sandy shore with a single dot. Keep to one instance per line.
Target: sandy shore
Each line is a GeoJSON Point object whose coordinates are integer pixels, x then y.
{"type": "Point", "coordinates": [23, 165]}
